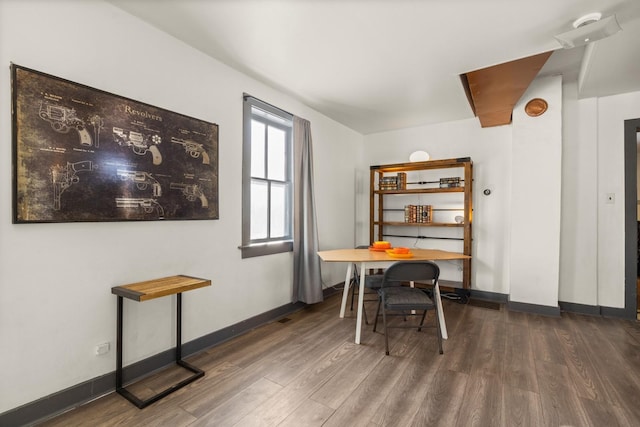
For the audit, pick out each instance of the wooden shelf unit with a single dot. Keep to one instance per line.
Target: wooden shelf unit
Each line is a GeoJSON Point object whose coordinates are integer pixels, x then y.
{"type": "Point", "coordinates": [377, 222]}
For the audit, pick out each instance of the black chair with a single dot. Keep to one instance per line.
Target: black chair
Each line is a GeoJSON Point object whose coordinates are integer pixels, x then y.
{"type": "Point", "coordinates": [372, 283]}
{"type": "Point", "coordinates": [404, 299]}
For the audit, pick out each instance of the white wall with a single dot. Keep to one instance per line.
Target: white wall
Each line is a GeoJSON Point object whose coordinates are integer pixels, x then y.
{"type": "Point", "coordinates": [592, 237]}
{"type": "Point", "coordinates": [612, 112]}
{"type": "Point", "coordinates": [56, 279]}
{"type": "Point", "coordinates": [535, 201]}
{"type": "Point", "coordinates": [592, 248]}
{"type": "Point", "coordinates": [579, 222]}
{"type": "Point", "coordinates": [591, 269]}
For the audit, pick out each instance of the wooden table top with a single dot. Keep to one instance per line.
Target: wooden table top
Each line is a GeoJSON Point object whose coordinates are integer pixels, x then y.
{"type": "Point", "coordinates": [364, 255]}
{"type": "Point", "coordinates": [156, 288]}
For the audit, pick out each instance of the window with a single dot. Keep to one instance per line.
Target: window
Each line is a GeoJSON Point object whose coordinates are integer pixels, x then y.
{"type": "Point", "coordinates": [267, 186]}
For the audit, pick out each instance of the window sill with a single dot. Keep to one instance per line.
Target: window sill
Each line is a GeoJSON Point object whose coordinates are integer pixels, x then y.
{"type": "Point", "coordinates": [261, 249]}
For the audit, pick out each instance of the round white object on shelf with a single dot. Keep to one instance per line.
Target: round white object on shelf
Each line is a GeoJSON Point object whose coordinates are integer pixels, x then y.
{"type": "Point", "coordinates": [419, 156]}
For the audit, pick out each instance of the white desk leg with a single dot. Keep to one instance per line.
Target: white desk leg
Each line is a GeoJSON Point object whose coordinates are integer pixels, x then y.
{"type": "Point", "coordinates": [443, 325]}
{"type": "Point", "coordinates": [345, 292]}
{"type": "Point", "coordinates": [363, 272]}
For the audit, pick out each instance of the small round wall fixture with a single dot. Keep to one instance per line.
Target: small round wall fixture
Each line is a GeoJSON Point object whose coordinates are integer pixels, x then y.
{"type": "Point", "coordinates": [536, 107]}
{"type": "Point", "coordinates": [419, 156]}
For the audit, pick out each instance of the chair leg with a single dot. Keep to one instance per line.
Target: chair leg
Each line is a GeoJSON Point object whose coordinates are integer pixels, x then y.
{"type": "Point", "coordinates": [377, 312]}
{"type": "Point", "coordinates": [438, 331]}
{"type": "Point", "coordinates": [364, 311]}
{"type": "Point", "coordinates": [386, 334]}
{"type": "Point", "coordinates": [354, 283]}
{"type": "Point", "coordinates": [375, 323]}
{"type": "Point", "coordinates": [422, 320]}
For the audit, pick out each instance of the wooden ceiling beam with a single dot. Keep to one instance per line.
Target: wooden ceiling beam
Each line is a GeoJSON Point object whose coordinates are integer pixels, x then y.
{"type": "Point", "coordinates": [494, 91]}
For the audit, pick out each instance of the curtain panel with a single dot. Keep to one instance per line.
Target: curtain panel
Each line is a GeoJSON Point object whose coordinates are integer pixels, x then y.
{"type": "Point", "coordinates": [307, 283]}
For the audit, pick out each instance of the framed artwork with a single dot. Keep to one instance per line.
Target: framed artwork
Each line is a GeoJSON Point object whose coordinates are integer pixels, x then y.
{"type": "Point", "coordinates": [82, 154]}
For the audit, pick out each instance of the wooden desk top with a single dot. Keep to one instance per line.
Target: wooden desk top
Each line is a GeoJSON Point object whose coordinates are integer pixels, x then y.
{"type": "Point", "coordinates": [365, 255]}
{"type": "Point", "coordinates": [157, 288]}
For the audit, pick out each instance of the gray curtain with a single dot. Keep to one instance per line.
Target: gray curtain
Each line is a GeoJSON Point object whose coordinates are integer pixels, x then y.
{"type": "Point", "coordinates": [307, 280]}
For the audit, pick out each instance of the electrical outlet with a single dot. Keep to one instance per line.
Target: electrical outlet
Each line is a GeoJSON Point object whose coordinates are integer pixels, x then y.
{"type": "Point", "coordinates": [103, 348]}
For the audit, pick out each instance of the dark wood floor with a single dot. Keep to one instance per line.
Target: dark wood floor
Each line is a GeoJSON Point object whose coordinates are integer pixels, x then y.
{"type": "Point", "coordinates": [499, 368]}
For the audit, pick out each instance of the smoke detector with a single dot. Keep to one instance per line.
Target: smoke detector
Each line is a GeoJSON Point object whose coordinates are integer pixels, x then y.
{"type": "Point", "coordinates": [587, 29]}
{"type": "Point", "coordinates": [587, 19]}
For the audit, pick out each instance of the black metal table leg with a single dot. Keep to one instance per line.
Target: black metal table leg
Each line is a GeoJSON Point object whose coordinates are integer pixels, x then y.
{"type": "Point", "coordinates": [197, 373]}
{"type": "Point", "coordinates": [119, 347]}
{"type": "Point", "coordinates": [178, 326]}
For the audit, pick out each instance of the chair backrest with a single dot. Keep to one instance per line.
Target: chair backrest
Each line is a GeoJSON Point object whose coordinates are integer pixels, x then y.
{"type": "Point", "coordinates": [407, 271]}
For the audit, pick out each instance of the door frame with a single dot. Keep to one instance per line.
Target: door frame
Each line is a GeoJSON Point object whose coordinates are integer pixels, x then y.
{"type": "Point", "coordinates": [631, 130]}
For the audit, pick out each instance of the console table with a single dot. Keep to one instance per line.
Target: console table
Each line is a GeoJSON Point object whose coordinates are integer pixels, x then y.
{"type": "Point", "coordinates": [148, 290]}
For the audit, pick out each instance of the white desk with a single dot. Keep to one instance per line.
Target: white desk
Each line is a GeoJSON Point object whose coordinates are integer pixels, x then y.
{"type": "Point", "coordinates": [374, 259]}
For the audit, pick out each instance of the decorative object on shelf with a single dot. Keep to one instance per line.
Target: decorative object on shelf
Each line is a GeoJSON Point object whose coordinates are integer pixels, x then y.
{"type": "Point", "coordinates": [419, 156]}
{"type": "Point", "coordinates": [398, 182]}
{"type": "Point", "coordinates": [401, 181]}
{"type": "Point", "coordinates": [418, 214]}
{"type": "Point", "coordinates": [388, 183]}
{"type": "Point", "coordinates": [459, 219]}
{"type": "Point", "coordinates": [536, 107]}
{"type": "Point", "coordinates": [452, 182]}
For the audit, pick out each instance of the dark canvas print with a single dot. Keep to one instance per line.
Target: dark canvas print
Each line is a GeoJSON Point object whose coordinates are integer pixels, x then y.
{"type": "Point", "coordinates": [82, 154]}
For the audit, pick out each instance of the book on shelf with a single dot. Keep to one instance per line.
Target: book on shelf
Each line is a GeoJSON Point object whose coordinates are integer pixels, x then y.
{"type": "Point", "coordinates": [418, 214]}
{"type": "Point", "coordinates": [388, 183]}
{"type": "Point", "coordinates": [451, 182]}
{"type": "Point", "coordinates": [397, 182]}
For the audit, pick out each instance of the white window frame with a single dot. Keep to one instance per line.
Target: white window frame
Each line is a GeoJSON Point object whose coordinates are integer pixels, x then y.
{"type": "Point", "coordinates": [254, 109]}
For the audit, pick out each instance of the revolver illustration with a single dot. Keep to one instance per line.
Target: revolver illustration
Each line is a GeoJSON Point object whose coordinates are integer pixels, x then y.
{"type": "Point", "coordinates": [62, 119]}
{"type": "Point", "coordinates": [142, 180]}
{"type": "Point", "coordinates": [193, 148]}
{"type": "Point", "coordinates": [191, 192]}
{"type": "Point", "coordinates": [64, 177]}
{"type": "Point", "coordinates": [139, 143]}
{"type": "Point", "coordinates": [147, 204]}
{"type": "Point", "coordinates": [98, 124]}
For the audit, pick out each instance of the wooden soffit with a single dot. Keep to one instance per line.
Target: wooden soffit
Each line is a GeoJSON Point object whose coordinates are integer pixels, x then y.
{"type": "Point", "coordinates": [494, 91]}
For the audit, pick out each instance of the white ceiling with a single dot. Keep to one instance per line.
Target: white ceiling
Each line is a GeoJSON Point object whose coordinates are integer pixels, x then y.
{"type": "Point", "coordinates": [377, 65]}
